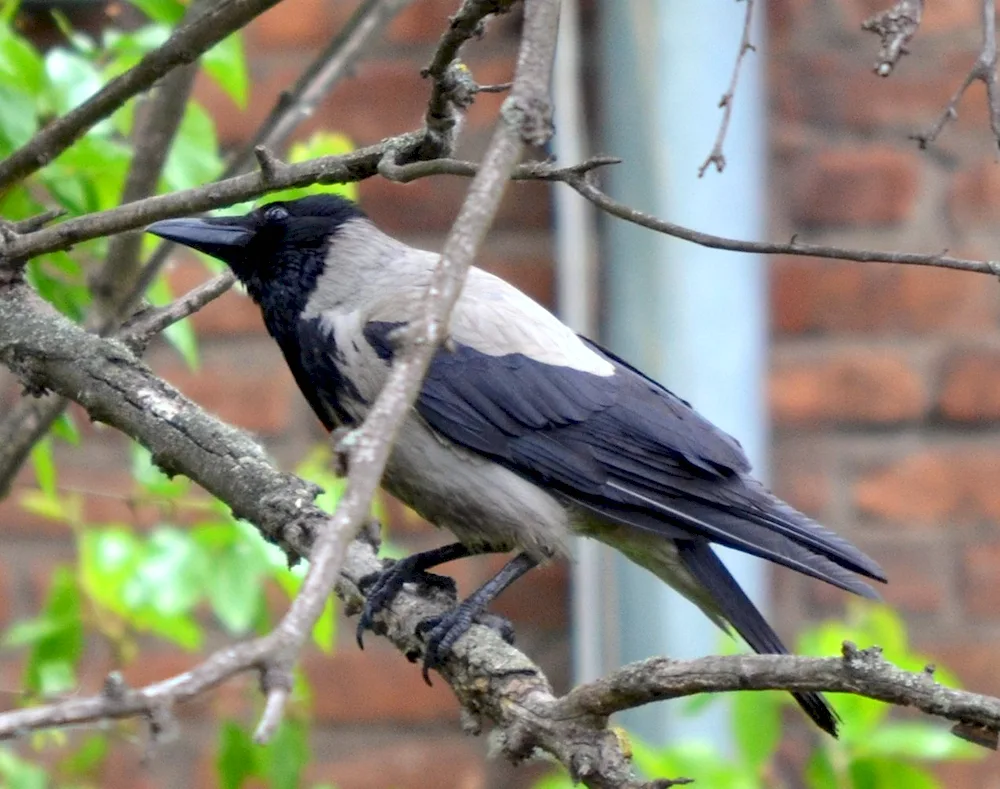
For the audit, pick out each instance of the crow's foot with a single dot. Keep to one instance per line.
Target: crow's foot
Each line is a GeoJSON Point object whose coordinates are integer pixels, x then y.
{"type": "Point", "coordinates": [381, 588]}
{"type": "Point", "coordinates": [441, 632]}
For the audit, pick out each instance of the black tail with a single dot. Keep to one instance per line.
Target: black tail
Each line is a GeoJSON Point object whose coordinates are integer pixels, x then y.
{"type": "Point", "coordinates": [701, 561]}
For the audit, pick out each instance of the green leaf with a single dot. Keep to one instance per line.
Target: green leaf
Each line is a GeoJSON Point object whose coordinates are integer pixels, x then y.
{"type": "Point", "coordinates": [51, 664]}
{"type": "Point", "coordinates": [152, 480]}
{"type": "Point", "coordinates": [59, 280]}
{"type": "Point", "coordinates": [86, 759]}
{"type": "Point", "coordinates": [320, 144]}
{"type": "Point", "coordinates": [55, 676]}
{"type": "Point", "coordinates": [170, 575]}
{"type": "Point", "coordinates": [325, 630]}
{"type": "Point", "coordinates": [73, 80]}
{"type": "Point", "coordinates": [919, 741]}
{"type": "Point", "coordinates": [31, 631]}
{"type": "Point", "coordinates": [193, 158]}
{"type": "Point", "coordinates": [878, 773]}
{"type": "Point", "coordinates": [126, 49]}
{"type": "Point", "coordinates": [18, 120]}
{"type": "Point", "coordinates": [20, 64]}
{"type": "Point", "coordinates": [287, 755]}
{"type": "Point", "coordinates": [226, 64]}
{"type": "Point", "coordinates": [65, 428]}
{"type": "Point", "coordinates": [238, 758]}
{"type": "Point", "coordinates": [234, 589]}
{"type": "Point", "coordinates": [20, 774]}
{"type": "Point", "coordinates": [757, 726]}
{"type": "Point", "coordinates": [559, 780]}
{"type": "Point", "coordinates": [37, 503]}
{"type": "Point", "coordinates": [180, 334]}
{"type": "Point", "coordinates": [168, 12]}
{"type": "Point", "coordinates": [692, 759]}
{"type": "Point", "coordinates": [44, 464]}
{"type": "Point", "coordinates": [819, 772]}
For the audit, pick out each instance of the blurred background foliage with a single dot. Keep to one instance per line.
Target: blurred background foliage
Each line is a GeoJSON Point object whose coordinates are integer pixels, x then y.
{"type": "Point", "coordinates": [178, 583]}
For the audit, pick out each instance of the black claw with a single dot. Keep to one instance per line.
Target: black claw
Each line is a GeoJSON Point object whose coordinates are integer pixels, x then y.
{"type": "Point", "coordinates": [444, 630]}
{"type": "Point", "coordinates": [381, 588]}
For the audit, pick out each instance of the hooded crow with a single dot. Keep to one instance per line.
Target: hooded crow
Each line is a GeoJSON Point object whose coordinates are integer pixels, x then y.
{"type": "Point", "coordinates": [523, 434]}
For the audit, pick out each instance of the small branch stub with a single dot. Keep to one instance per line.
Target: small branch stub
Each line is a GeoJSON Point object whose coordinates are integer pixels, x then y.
{"type": "Point", "coordinates": [895, 27]}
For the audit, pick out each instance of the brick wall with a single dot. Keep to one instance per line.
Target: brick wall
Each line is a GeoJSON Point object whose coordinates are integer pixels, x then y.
{"type": "Point", "coordinates": [885, 380]}
{"type": "Point", "coordinates": [884, 383]}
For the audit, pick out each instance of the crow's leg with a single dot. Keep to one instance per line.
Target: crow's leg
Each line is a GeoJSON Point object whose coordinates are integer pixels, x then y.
{"type": "Point", "coordinates": [444, 630]}
{"type": "Point", "coordinates": [380, 588]}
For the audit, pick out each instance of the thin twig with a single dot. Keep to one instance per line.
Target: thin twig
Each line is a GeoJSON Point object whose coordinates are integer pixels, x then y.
{"type": "Point", "coordinates": [895, 27]}
{"type": "Point", "coordinates": [292, 108]}
{"type": "Point", "coordinates": [577, 176]}
{"type": "Point", "coordinates": [586, 187]}
{"type": "Point", "coordinates": [185, 45]}
{"type": "Point", "coordinates": [983, 70]}
{"type": "Point", "coordinates": [299, 102]}
{"type": "Point", "coordinates": [151, 322]}
{"type": "Point", "coordinates": [453, 88]}
{"type": "Point", "coordinates": [716, 156]}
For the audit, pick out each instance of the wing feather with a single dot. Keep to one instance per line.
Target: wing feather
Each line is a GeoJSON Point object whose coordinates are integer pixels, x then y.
{"type": "Point", "coordinates": [623, 446]}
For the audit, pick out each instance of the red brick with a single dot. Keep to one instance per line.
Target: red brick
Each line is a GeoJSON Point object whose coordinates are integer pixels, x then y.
{"type": "Point", "coordinates": [414, 764]}
{"type": "Point", "coordinates": [297, 25]}
{"type": "Point", "coordinates": [937, 17]}
{"type": "Point", "coordinates": [378, 685]}
{"type": "Point", "coordinates": [973, 659]}
{"type": "Point", "coordinates": [980, 774]}
{"type": "Point", "coordinates": [540, 599]}
{"type": "Point", "coordinates": [534, 276]}
{"type": "Point", "coordinates": [974, 199]}
{"type": "Point", "coordinates": [864, 386]}
{"type": "Point", "coordinates": [379, 99]}
{"type": "Point", "coordinates": [783, 17]}
{"type": "Point", "coordinates": [805, 488]}
{"type": "Point", "coordinates": [834, 90]}
{"type": "Point", "coordinates": [257, 399]}
{"type": "Point", "coordinates": [918, 573]}
{"type": "Point", "coordinates": [970, 390]}
{"type": "Point", "coordinates": [422, 22]}
{"type": "Point", "coordinates": [981, 586]}
{"type": "Point", "coordinates": [231, 313]}
{"type": "Point", "coordinates": [813, 295]}
{"type": "Point", "coordinates": [876, 185]}
{"type": "Point", "coordinates": [431, 205]}
{"type": "Point", "coordinates": [933, 487]}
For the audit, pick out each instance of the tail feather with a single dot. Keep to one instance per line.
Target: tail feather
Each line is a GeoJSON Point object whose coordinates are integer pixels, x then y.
{"type": "Point", "coordinates": [699, 559]}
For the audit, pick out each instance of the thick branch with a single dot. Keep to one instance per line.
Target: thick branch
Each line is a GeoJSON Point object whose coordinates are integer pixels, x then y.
{"type": "Point", "coordinates": [155, 126]}
{"type": "Point", "coordinates": [185, 45]}
{"type": "Point", "coordinates": [354, 166]}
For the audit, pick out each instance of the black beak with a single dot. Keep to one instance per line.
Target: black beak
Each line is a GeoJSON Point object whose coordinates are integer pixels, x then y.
{"type": "Point", "coordinates": [215, 237]}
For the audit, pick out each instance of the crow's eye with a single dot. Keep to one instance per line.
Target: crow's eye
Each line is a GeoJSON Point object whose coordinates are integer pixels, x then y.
{"type": "Point", "coordinates": [276, 213]}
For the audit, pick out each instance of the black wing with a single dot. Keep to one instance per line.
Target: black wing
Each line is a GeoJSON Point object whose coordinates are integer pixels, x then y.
{"type": "Point", "coordinates": [626, 448]}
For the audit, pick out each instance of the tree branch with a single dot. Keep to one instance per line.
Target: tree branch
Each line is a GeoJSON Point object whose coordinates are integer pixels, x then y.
{"type": "Point", "coordinates": [984, 70]}
{"type": "Point", "coordinates": [896, 27]}
{"type": "Point", "coordinates": [185, 45]}
{"type": "Point", "coordinates": [453, 89]}
{"type": "Point", "coordinates": [716, 156]}
{"type": "Point", "coordinates": [154, 129]}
